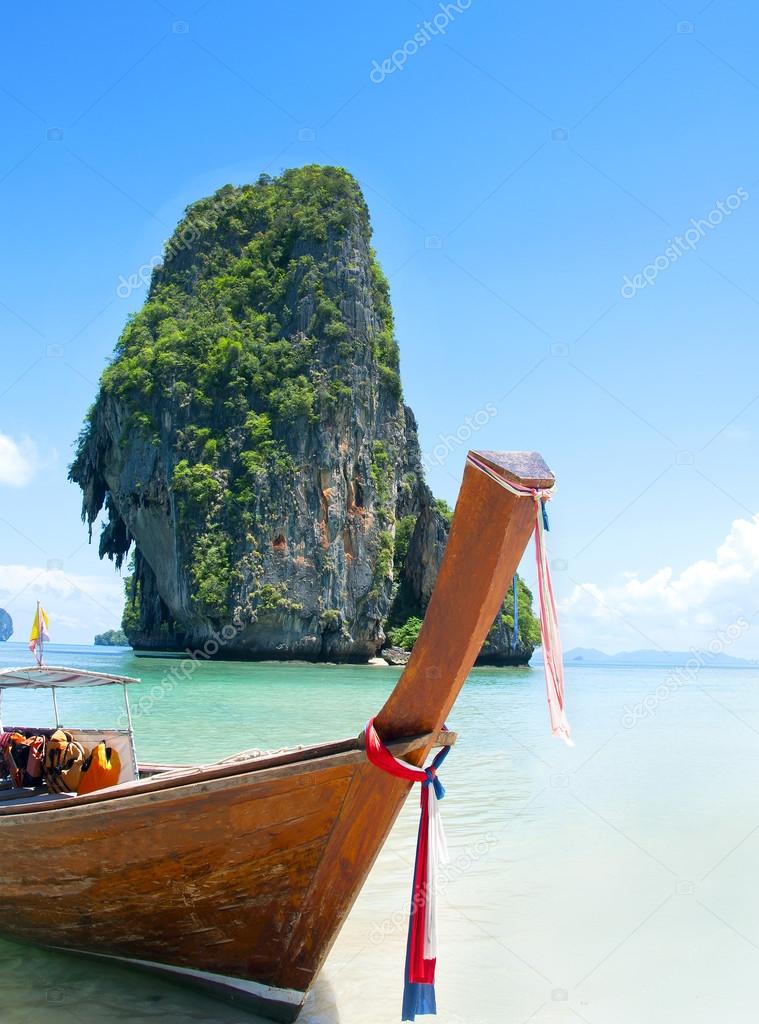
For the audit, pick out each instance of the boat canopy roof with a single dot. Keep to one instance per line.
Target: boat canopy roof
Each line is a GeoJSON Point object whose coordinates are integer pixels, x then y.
{"type": "Point", "coordinates": [49, 677]}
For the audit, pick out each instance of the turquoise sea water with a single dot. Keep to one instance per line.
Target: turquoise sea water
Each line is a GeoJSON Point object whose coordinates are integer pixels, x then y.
{"type": "Point", "coordinates": [611, 883]}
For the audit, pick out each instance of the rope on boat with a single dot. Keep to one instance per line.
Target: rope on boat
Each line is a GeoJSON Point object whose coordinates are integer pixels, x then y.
{"type": "Point", "coordinates": [431, 854]}
{"type": "Point", "coordinates": [553, 661]}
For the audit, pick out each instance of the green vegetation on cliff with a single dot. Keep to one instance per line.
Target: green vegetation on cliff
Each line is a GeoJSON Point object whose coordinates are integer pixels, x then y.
{"type": "Point", "coordinates": [406, 633]}
{"type": "Point", "coordinates": [249, 443]}
{"type": "Point", "coordinates": [406, 636]}
{"type": "Point", "coordinates": [529, 624]}
{"type": "Point", "coordinates": [225, 321]}
{"type": "Point", "coordinates": [112, 638]}
{"type": "Point", "coordinates": [243, 309]}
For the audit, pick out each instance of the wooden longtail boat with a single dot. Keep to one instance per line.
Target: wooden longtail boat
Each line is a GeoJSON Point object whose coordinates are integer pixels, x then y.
{"type": "Point", "coordinates": [238, 876]}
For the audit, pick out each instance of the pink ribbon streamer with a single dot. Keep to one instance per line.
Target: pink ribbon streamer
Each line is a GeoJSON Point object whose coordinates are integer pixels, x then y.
{"type": "Point", "coordinates": [553, 659]}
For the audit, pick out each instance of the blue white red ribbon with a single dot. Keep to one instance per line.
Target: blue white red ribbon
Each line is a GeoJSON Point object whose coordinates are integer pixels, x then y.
{"type": "Point", "coordinates": [431, 851]}
{"type": "Point", "coordinates": [431, 854]}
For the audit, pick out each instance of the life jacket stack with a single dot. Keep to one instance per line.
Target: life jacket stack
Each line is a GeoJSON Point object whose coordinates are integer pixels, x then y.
{"type": "Point", "coordinates": [54, 760]}
{"type": "Point", "coordinates": [64, 758]}
{"type": "Point", "coordinates": [23, 759]}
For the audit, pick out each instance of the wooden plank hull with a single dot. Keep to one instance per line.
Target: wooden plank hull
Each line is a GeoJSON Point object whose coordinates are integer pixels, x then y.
{"type": "Point", "coordinates": [237, 877]}
{"type": "Point", "coordinates": [204, 881]}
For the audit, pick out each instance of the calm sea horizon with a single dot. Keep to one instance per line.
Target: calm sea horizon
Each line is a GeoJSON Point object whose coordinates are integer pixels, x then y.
{"type": "Point", "coordinates": [610, 882]}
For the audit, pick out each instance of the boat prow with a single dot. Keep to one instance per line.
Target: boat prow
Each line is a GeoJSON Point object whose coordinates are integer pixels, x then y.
{"type": "Point", "coordinates": [237, 876]}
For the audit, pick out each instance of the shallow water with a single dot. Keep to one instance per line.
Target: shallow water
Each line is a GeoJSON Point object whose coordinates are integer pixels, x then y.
{"type": "Point", "coordinates": [612, 883]}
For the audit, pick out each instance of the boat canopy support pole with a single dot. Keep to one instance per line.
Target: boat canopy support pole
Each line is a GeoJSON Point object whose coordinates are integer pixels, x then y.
{"type": "Point", "coordinates": [55, 708]}
{"type": "Point", "coordinates": [130, 727]}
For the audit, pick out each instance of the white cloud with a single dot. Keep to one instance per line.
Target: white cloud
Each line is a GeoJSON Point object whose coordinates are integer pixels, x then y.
{"type": "Point", "coordinates": [18, 461]}
{"type": "Point", "coordinates": [78, 606]}
{"type": "Point", "coordinates": [673, 609]}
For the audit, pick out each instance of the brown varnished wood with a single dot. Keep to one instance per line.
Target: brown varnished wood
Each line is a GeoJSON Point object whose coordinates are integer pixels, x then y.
{"type": "Point", "coordinates": [264, 768]}
{"type": "Point", "coordinates": [227, 861]}
{"type": "Point", "coordinates": [489, 533]}
{"type": "Point", "coordinates": [525, 468]}
{"type": "Point", "coordinates": [247, 869]}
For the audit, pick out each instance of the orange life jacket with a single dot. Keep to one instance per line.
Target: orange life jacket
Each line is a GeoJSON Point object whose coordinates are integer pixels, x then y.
{"type": "Point", "coordinates": [63, 763]}
{"type": "Point", "coordinates": [101, 769]}
{"type": "Point", "coordinates": [24, 757]}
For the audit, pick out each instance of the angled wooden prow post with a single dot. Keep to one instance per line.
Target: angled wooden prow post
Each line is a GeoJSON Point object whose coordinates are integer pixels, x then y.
{"type": "Point", "coordinates": [490, 530]}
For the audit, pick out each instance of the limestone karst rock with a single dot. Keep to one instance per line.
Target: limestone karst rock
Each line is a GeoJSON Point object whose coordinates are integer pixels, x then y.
{"type": "Point", "coordinates": [249, 440]}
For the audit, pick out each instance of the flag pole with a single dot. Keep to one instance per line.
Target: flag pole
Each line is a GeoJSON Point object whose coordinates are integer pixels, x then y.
{"type": "Point", "coordinates": [38, 636]}
{"type": "Point", "coordinates": [41, 632]}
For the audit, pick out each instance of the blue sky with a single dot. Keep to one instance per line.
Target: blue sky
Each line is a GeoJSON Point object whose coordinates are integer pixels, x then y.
{"type": "Point", "coordinates": [517, 167]}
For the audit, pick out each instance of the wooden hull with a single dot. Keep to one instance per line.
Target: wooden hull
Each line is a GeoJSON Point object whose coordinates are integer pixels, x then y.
{"type": "Point", "coordinates": [238, 877]}
{"type": "Point", "coordinates": [275, 1003]}
{"type": "Point", "coordinates": [204, 881]}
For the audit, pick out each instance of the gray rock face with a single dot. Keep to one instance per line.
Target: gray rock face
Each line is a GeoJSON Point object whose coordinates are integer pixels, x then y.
{"type": "Point", "coordinates": [425, 555]}
{"type": "Point", "coordinates": [395, 655]}
{"type": "Point", "coordinates": [6, 625]}
{"type": "Point", "coordinates": [500, 650]}
{"type": "Point", "coordinates": [249, 442]}
{"type": "Point", "coordinates": [303, 545]}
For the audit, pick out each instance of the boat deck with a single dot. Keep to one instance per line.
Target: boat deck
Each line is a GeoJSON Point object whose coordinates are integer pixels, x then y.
{"type": "Point", "coordinates": [27, 796]}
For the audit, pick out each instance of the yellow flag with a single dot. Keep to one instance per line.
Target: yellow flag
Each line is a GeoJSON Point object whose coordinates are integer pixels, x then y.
{"type": "Point", "coordinates": [39, 628]}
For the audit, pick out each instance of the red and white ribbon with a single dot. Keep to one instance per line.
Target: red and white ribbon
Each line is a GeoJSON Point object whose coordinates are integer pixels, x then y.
{"type": "Point", "coordinates": [431, 855]}
{"type": "Point", "coordinates": [553, 660]}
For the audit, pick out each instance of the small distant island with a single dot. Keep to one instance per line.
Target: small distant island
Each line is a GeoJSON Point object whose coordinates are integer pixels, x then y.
{"type": "Point", "coordinates": [112, 638]}
{"type": "Point", "coordinates": [654, 658]}
{"type": "Point", "coordinates": [6, 625]}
